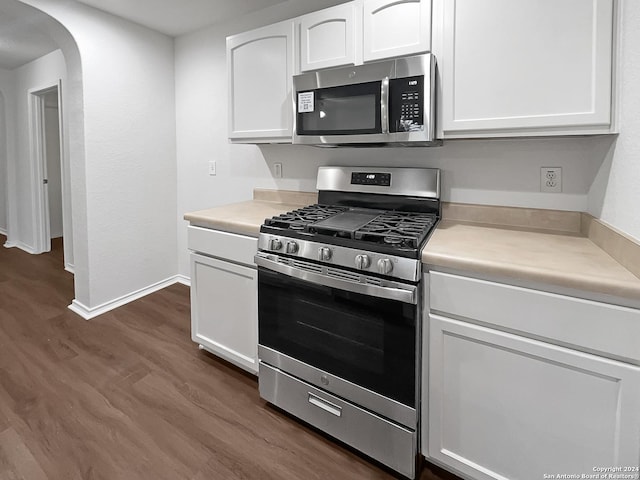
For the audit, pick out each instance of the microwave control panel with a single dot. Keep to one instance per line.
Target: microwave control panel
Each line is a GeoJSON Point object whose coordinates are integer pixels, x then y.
{"type": "Point", "coordinates": [406, 104]}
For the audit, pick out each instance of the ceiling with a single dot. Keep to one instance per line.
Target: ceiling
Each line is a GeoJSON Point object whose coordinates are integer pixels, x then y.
{"type": "Point", "coordinates": [176, 17]}
{"type": "Point", "coordinates": [22, 35]}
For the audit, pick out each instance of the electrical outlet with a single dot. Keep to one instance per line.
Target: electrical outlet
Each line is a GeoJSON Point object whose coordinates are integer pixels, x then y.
{"type": "Point", "coordinates": [277, 170]}
{"type": "Point", "coordinates": [551, 179]}
{"type": "Point", "coordinates": [212, 167]}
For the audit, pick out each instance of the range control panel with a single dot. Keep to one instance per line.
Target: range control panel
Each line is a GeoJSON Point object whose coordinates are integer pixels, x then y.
{"type": "Point", "coordinates": [367, 178]}
{"type": "Point", "coordinates": [406, 104]}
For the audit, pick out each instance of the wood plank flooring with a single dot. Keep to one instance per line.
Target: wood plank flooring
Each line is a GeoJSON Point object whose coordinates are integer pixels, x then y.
{"type": "Point", "coordinates": [127, 395]}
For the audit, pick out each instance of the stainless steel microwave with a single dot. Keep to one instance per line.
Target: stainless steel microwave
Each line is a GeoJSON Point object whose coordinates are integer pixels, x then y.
{"type": "Point", "coordinates": [388, 103]}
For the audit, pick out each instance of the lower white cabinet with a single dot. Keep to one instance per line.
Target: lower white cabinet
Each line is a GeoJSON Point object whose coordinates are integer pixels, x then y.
{"type": "Point", "coordinates": [505, 406]}
{"type": "Point", "coordinates": [224, 306]}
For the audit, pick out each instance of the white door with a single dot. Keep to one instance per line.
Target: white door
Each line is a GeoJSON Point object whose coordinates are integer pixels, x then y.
{"type": "Point", "coordinates": [53, 163]}
{"type": "Point", "coordinates": [224, 310]}
{"type": "Point", "coordinates": [506, 407]}
{"type": "Point", "coordinates": [260, 70]}
{"type": "Point", "coordinates": [328, 38]}
{"type": "Point", "coordinates": [393, 28]}
{"type": "Point", "coordinates": [510, 67]}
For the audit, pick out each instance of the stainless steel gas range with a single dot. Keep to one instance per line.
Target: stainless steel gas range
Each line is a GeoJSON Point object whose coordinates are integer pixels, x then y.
{"type": "Point", "coordinates": [339, 308]}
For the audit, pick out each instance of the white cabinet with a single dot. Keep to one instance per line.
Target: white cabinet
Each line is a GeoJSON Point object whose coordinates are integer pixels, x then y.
{"type": "Point", "coordinates": [260, 68]}
{"type": "Point", "coordinates": [524, 67]}
{"type": "Point", "coordinates": [393, 28]}
{"type": "Point", "coordinates": [224, 296]}
{"type": "Point", "coordinates": [364, 31]}
{"type": "Point", "coordinates": [521, 403]}
{"type": "Point", "coordinates": [328, 37]}
{"type": "Point", "coordinates": [506, 407]}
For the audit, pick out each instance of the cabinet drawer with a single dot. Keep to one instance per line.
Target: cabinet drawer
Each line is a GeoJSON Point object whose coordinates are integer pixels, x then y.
{"type": "Point", "coordinates": [387, 442]}
{"type": "Point", "coordinates": [601, 328]}
{"type": "Point", "coordinates": [216, 243]}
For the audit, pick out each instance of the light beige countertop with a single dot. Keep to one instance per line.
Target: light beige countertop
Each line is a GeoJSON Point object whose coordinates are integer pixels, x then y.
{"type": "Point", "coordinates": [566, 249]}
{"type": "Point", "coordinates": [245, 218]}
{"type": "Point", "coordinates": [564, 259]}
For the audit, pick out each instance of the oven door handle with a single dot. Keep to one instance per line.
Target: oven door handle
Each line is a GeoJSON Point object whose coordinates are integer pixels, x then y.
{"type": "Point", "coordinates": [393, 290]}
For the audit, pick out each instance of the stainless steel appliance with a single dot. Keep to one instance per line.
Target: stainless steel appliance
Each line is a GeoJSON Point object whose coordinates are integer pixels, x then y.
{"type": "Point", "coordinates": [388, 103]}
{"type": "Point", "coordinates": [339, 307]}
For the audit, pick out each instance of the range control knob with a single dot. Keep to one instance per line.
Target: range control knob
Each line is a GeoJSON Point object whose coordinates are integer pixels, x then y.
{"type": "Point", "coordinates": [292, 247]}
{"type": "Point", "coordinates": [324, 254]}
{"type": "Point", "coordinates": [362, 261]}
{"type": "Point", "coordinates": [275, 244]}
{"type": "Point", "coordinates": [385, 266]}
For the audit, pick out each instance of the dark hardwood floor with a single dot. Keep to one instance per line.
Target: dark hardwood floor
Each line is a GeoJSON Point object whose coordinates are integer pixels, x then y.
{"type": "Point", "coordinates": [127, 395]}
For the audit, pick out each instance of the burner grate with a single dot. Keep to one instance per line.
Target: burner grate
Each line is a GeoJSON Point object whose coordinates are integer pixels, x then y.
{"type": "Point", "coordinates": [403, 229]}
{"type": "Point", "coordinates": [300, 218]}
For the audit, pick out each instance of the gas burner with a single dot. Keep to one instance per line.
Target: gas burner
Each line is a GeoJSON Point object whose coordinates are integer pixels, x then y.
{"type": "Point", "coordinates": [405, 229]}
{"type": "Point", "coordinates": [392, 240]}
{"type": "Point", "coordinates": [300, 218]}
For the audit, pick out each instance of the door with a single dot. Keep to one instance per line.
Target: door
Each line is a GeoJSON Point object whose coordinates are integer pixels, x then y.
{"type": "Point", "coordinates": [366, 340]}
{"type": "Point", "coordinates": [224, 315]}
{"type": "Point", "coordinates": [503, 406]}
{"type": "Point", "coordinates": [260, 69]}
{"type": "Point", "coordinates": [328, 38]}
{"type": "Point", "coordinates": [393, 28]}
{"type": "Point", "coordinates": [345, 110]}
{"type": "Point", "coordinates": [507, 67]}
{"type": "Point", "coordinates": [50, 208]}
{"type": "Point", "coordinates": [52, 161]}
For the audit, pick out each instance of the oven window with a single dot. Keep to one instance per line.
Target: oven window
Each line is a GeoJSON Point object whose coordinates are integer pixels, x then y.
{"type": "Point", "coordinates": [366, 340]}
{"type": "Point", "coordinates": [347, 110]}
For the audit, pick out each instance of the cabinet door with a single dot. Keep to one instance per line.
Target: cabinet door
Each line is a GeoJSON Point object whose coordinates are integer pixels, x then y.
{"type": "Point", "coordinates": [524, 67]}
{"type": "Point", "coordinates": [392, 28]}
{"type": "Point", "coordinates": [506, 407]}
{"type": "Point", "coordinates": [224, 313]}
{"type": "Point", "coordinates": [328, 37]}
{"type": "Point", "coordinates": [260, 69]}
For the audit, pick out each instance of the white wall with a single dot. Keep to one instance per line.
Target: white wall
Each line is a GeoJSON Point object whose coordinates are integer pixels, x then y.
{"type": "Point", "coordinates": [500, 172]}
{"type": "Point", "coordinates": [42, 73]}
{"type": "Point", "coordinates": [123, 166]}
{"type": "Point", "coordinates": [615, 195]}
{"type": "Point", "coordinates": [6, 87]}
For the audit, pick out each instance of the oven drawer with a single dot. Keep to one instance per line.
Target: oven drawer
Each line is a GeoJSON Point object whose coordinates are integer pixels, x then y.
{"type": "Point", "coordinates": [375, 436]}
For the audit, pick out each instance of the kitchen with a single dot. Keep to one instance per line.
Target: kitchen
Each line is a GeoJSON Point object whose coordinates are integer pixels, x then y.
{"type": "Point", "coordinates": [596, 173]}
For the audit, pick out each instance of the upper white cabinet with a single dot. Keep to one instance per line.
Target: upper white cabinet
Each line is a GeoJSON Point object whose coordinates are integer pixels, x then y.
{"type": "Point", "coordinates": [260, 69]}
{"type": "Point", "coordinates": [392, 28]}
{"type": "Point", "coordinates": [524, 67]}
{"type": "Point", "coordinates": [328, 37]}
{"type": "Point", "coordinates": [363, 31]}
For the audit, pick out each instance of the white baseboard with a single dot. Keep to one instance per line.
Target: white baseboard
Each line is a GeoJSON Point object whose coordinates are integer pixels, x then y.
{"type": "Point", "coordinates": [71, 268]}
{"type": "Point", "coordinates": [91, 312]}
{"type": "Point", "coordinates": [184, 280]}
{"type": "Point", "coordinates": [21, 246]}
{"type": "Point", "coordinates": [3, 231]}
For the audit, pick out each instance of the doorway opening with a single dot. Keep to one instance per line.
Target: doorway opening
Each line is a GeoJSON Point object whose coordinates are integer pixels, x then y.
{"type": "Point", "coordinates": [50, 215]}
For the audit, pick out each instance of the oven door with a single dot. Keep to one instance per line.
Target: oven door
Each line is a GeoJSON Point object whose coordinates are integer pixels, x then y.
{"type": "Point", "coordinates": [357, 342]}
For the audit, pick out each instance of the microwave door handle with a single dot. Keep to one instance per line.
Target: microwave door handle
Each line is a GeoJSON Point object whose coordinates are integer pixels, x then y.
{"type": "Point", "coordinates": [384, 105]}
